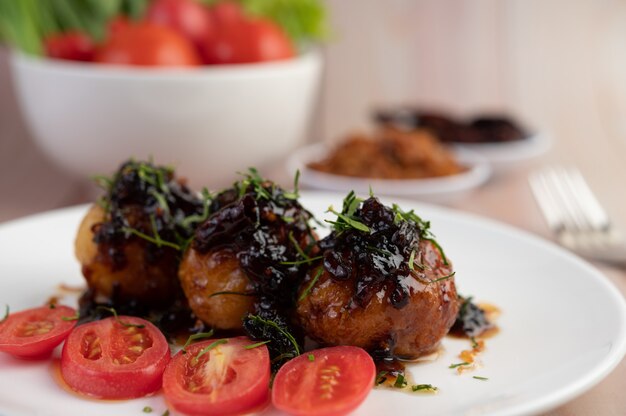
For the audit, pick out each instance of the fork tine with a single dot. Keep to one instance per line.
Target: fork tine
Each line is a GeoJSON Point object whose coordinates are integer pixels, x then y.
{"type": "Point", "coordinates": [547, 204]}
{"type": "Point", "coordinates": [576, 216]}
{"type": "Point", "coordinates": [590, 205]}
{"type": "Point", "coordinates": [570, 199]}
{"type": "Point", "coordinates": [558, 184]}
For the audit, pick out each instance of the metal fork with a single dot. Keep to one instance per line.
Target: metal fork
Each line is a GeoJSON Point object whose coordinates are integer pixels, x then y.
{"type": "Point", "coordinates": [574, 214]}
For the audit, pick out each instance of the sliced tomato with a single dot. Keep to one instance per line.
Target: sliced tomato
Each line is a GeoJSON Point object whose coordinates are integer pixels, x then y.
{"type": "Point", "coordinates": [226, 379]}
{"type": "Point", "coordinates": [72, 46]}
{"type": "Point", "coordinates": [34, 333]}
{"type": "Point", "coordinates": [326, 382]}
{"type": "Point", "coordinates": [115, 358]}
{"type": "Point", "coordinates": [146, 44]}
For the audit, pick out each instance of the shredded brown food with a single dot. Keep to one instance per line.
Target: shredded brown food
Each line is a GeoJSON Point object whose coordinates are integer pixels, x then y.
{"type": "Point", "coordinates": [391, 154]}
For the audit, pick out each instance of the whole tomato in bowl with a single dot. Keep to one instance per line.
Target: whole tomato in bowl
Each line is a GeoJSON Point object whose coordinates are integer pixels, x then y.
{"type": "Point", "coordinates": [147, 44]}
{"type": "Point", "coordinates": [238, 38]}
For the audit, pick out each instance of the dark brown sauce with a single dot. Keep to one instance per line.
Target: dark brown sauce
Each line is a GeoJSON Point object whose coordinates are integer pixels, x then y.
{"type": "Point", "coordinates": [378, 260]}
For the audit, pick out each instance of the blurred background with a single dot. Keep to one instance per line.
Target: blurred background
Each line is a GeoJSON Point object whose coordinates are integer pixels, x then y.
{"type": "Point", "coordinates": [557, 66]}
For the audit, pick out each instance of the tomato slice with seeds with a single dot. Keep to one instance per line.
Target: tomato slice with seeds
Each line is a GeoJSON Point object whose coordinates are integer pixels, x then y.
{"type": "Point", "coordinates": [34, 333]}
{"type": "Point", "coordinates": [326, 382]}
{"type": "Point", "coordinates": [115, 358]}
{"type": "Point", "coordinates": [225, 379]}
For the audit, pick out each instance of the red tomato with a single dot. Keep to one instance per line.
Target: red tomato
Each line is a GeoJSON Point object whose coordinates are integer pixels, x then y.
{"type": "Point", "coordinates": [147, 44]}
{"type": "Point", "coordinates": [187, 17]}
{"type": "Point", "coordinates": [110, 360]}
{"type": "Point", "coordinates": [34, 333]}
{"type": "Point", "coordinates": [333, 383]}
{"type": "Point", "coordinates": [270, 42]}
{"type": "Point", "coordinates": [73, 46]}
{"type": "Point", "coordinates": [228, 379]}
{"type": "Point", "coordinates": [241, 39]}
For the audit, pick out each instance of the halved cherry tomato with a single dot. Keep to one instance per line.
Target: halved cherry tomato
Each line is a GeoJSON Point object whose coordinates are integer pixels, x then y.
{"type": "Point", "coordinates": [187, 17]}
{"type": "Point", "coordinates": [34, 333]}
{"type": "Point", "coordinates": [226, 379]}
{"type": "Point", "coordinates": [147, 44]}
{"type": "Point", "coordinates": [326, 382]}
{"type": "Point", "coordinates": [113, 358]}
{"type": "Point", "coordinates": [72, 46]}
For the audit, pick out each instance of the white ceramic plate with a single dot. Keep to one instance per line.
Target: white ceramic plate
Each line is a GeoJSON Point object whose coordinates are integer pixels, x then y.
{"type": "Point", "coordinates": [562, 328]}
{"type": "Point", "coordinates": [431, 189]}
{"type": "Point", "coordinates": [506, 155]}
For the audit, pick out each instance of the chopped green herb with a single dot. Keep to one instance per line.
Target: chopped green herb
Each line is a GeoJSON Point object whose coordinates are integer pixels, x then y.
{"type": "Point", "coordinates": [344, 222]}
{"type": "Point", "coordinates": [274, 325]}
{"type": "Point", "coordinates": [412, 260]}
{"type": "Point", "coordinates": [474, 343]}
{"type": "Point", "coordinates": [306, 291]}
{"type": "Point", "coordinates": [400, 381]}
{"type": "Point", "coordinates": [118, 320]}
{"type": "Point", "coordinates": [438, 247]}
{"type": "Point", "coordinates": [311, 357]}
{"type": "Point", "coordinates": [385, 253]}
{"type": "Point", "coordinates": [381, 377]}
{"type": "Point", "coordinates": [103, 181]}
{"type": "Point", "coordinates": [345, 218]}
{"type": "Point", "coordinates": [299, 262]}
{"type": "Point", "coordinates": [157, 240]}
{"type": "Point", "coordinates": [428, 387]}
{"type": "Point", "coordinates": [208, 348]}
{"type": "Point", "coordinates": [147, 409]}
{"type": "Point", "coordinates": [206, 204]}
{"type": "Point", "coordinates": [258, 344]}
{"type": "Point", "coordinates": [194, 337]}
{"type": "Point", "coordinates": [6, 314]}
{"type": "Point", "coordinates": [296, 192]}
{"type": "Point", "coordinates": [480, 378]}
{"type": "Point", "coordinates": [160, 198]}
{"type": "Point", "coordinates": [76, 317]}
{"type": "Point", "coordinates": [282, 357]}
{"type": "Point", "coordinates": [443, 278]}
{"type": "Point", "coordinates": [228, 292]}
{"type": "Point", "coordinates": [458, 364]}
{"type": "Point", "coordinates": [304, 255]}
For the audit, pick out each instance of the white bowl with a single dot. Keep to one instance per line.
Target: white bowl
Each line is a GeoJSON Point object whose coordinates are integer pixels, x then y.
{"type": "Point", "coordinates": [438, 189]}
{"type": "Point", "coordinates": [210, 122]}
